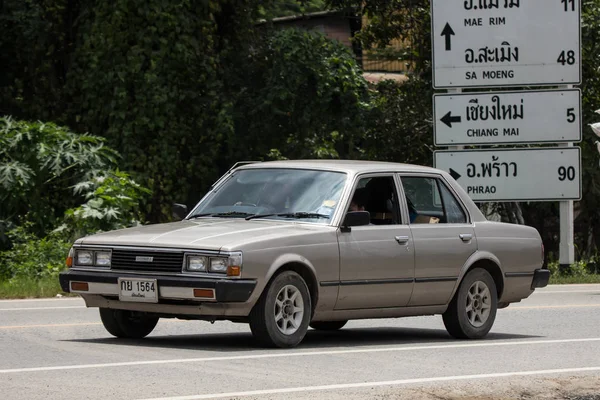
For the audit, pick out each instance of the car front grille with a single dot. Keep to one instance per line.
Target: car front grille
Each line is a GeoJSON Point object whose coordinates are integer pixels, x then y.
{"type": "Point", "coordinates": [162, 261]}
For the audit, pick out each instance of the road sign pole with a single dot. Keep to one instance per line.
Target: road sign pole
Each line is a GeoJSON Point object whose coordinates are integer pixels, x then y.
{"type": "Point", "coordinates": [567, 248]}
{"type": "Point", "coordinates": [566, 255]}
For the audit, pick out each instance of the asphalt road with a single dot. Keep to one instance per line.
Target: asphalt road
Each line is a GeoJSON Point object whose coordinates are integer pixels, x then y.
{"type": "Point", "coordinates": [547, 346]}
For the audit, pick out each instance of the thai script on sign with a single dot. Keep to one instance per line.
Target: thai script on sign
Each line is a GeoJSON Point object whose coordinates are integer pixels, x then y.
{"type": "Point", "coordinates": [488, 169]}
{"type": "Point", "coordinates": [496, 112]}
{"type": "Point", "coordinates": [489, 4]}
{"type": "Point", "coordinates": [487, 54]}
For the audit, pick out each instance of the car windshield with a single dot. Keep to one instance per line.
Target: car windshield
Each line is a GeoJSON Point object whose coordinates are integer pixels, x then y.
{"type": "Point", "coordinates": [306, 195]}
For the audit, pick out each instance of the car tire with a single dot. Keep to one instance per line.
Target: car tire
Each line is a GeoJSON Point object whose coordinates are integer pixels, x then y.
{"type": "Point", "coordinates": [283, 312]}
{"type": "Point", "coordinates": [328, 325]}
{"type": "Point", "coordinates": [472, 311]}
{"type": "Point", "coordinates": [127, 324]}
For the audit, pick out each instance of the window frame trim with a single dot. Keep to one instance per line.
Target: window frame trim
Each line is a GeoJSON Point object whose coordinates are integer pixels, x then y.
{"type": "Point", "coordinates": [440, 180]}
{"type": "Point", "coordinates": [440, 184]}
{"type": "Point", "coordinates": [379, 174]}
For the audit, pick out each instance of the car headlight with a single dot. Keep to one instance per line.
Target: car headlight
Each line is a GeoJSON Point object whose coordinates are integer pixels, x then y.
{"type": "Point", "coordinates": [89, 258]}
{"type": "Point", "coordinates": [218, 265]}
{"type": "Point", "coordinates": [230, 264]}
{"type": "Point", "coordinates": [84, 257]}
{"type": "Point", "coordinates": [103, 258]}
{"type": "Point", "coordinates": [196, 263]}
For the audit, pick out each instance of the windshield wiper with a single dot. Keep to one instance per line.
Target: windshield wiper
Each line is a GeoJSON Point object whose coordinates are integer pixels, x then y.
{"type": "Point", "coordinates": [300, 214]}
{"type": "Point", "coordinates": [222, 215]}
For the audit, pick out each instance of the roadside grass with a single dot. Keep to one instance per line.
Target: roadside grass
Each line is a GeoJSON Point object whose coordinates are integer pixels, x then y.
{"type": "Point", "coordinates": [22, 288]}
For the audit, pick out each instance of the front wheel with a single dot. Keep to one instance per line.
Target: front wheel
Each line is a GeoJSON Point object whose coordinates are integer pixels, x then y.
{"type": "Point", "coordinates": [281, 316]}
{"type": "Point", "coordinates": [472, 311]}
{"type": "Point", "coordinates": [127, 324]}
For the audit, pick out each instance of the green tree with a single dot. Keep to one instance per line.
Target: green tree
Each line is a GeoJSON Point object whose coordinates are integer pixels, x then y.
{"type": "Point", "coordinates": [303, 95]}
{"type": "Point", "coordinates": [400, 125]}
{"type": "Point", "coordinates": [36, 47]}
{"type": "Point", "coordinates": [283, 8]}
{"type": "Point", "coordinates": [589, 218]}
{"type": "Point", "coordinates": [146, 77]}
{"type": "Point", "coordinates": [406, 21]}
{"type": "Point", "coordinates": [38, 164]}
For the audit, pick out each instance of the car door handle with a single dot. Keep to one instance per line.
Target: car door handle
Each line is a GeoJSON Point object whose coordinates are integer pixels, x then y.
{"type": "Point", "coordinates": [465, 237]}
{"type": "Point", "coordinates": [402, 239]}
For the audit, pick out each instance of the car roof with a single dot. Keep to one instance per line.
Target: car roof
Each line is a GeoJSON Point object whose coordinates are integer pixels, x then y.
{"type": "Point", "coordinates": [348, 166]}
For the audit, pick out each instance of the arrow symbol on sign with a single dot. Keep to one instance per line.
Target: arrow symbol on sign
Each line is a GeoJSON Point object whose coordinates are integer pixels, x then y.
{"type": "Point", "coordinates": [448, 119]}
{"type": "Point", "coordinates": [454, 174]}
{"type": "Point", "coordinates": [448, 32]}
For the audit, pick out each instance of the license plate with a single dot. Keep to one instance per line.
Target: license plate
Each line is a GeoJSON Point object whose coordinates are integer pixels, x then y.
{"type": "Point", "coordinates": [139, 290]}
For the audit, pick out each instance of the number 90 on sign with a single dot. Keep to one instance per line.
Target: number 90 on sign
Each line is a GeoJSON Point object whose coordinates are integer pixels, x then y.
{"type": "Point", "coordinates": [565, 173]}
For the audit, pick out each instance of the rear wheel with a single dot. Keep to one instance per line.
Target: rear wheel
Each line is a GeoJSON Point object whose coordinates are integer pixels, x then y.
{"type": "Point", "coordinates": [281, 316]}
{"type": "Point", "coordinates": [472, 311]}
{"type": "Point", "coordinates": [328, 325]}
{"type": "Point", "coordinates": [127, 324]}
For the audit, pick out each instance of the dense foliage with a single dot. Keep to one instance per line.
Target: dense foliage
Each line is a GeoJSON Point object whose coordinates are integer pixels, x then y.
{"type": "Point", "coordinates": [57, 186]}
{"type": "Point", "coordinates": [285, 8]}
{"type": "Point", "coordinates": [32, 257]}
{"type": "Point", "coordinates": [39, 162]}
{"type": "Point", "coordinates": [184, 89]}
{"type": "Point", "coordinates": [302, 95]}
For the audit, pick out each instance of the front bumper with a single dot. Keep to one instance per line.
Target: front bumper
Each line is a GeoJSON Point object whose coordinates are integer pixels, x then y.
{"type": "Point", "coordinates": [541, 277]}
{"type": "Point", "coordinates": [105, 283]}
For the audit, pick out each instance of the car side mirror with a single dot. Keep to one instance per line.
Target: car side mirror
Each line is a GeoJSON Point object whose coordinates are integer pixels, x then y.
{"type": "Point", "coordinates": [356, 218]}
{"type": "Point", "coordinates": [179, 211]}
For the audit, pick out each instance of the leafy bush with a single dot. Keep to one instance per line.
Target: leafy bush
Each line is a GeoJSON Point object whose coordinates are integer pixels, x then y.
{"type": "Point", "coordinates": [38, 163]}
{"type": "Point", "coordinates": [32, 257]}
{"type": "Point", "coordinates": [113, 202]}
{"type": "Point", "coordinates": [579, 269]}
{"type": "Point", "coordinates": [51, 176]}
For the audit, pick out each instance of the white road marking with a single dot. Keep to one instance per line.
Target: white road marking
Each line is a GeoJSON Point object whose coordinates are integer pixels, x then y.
{"type": "Point", "coordinates": [567, 291]}
{"type": "Point", "coordinates": [380, 383]}
{"type": "Point", "coordinates": [573, 285]}
{"type": "Point", "coordinates": [52, 299]}
{"type": "Point", "coordinates": [48, 325]}
{"type": "Point", "coordinates": [551, 307]}
{"type": "Point", "coordinates": [299, 354]}
{"type": "Point", "coordinates": [39, 308]}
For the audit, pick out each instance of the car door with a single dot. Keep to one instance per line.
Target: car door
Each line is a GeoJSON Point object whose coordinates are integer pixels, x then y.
{"type": "Point", "coordinates": [376, 261]}
{"type": "Point", "coordinates": [444, 237]}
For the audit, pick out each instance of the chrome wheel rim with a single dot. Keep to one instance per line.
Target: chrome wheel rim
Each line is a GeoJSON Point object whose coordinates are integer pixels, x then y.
{"type": "Point", "coordinates": [479, 304]}
{"type": "Point", "coordinates": [289, 310]}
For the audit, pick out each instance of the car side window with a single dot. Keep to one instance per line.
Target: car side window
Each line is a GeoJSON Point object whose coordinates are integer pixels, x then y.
{"type": "Point", "coordinates": [431, 202]}
{"type": "Point", "coordinates": [454, 212]}
{"type": "Point", "coordinates": [378, 196]}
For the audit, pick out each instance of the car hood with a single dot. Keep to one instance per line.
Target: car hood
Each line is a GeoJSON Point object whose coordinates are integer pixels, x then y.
{"type": "Point", "coordinates": [206, 234]}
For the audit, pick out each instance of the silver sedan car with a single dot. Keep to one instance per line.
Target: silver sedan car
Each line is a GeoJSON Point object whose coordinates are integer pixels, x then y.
{"type": "Point", "coordinates": [290, 244]}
